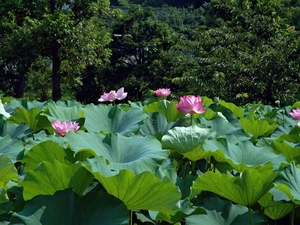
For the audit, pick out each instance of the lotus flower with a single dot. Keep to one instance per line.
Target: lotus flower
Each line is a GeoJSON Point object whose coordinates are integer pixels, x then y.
{"type": "Point", "coordinates": [190, 104]}
{"type": "Point", "coordinates": [113, 95]}
{"type": "Point", "coordinates": [163, 92]}
{"type": "Point", "coordinates": [295, 114]}
{"type": "Point", "coordinates": [62, 128]}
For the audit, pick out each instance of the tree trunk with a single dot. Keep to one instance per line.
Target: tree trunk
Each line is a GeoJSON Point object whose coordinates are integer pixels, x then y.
{"type": "Point", "coordinates": [55, 47]}
{"type": "Point", "coordinates": [19, 86]}
{"type": "Point", "coordinates": [56, 91]}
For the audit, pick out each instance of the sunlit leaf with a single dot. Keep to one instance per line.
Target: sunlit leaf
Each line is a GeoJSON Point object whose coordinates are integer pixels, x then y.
{"type": "Point", "coordinates": [50, 177]}
{"type": "Point", "coordinates": [166, 108]}
{"type": "Point", "coordinates": [293, 136]}
{"type": "Point", "coordinates": [47, 151]}
{"type": "Point", "coordinates": [31, 117]}
{"type": "Point", "coordinates": [245, 189]}
{"type": "Point", "coordinates": [274, 209]}
{"type": "Point", "coordinates": [289, 150]}
{"type": "Point", "coordinates": [237, 111]}
{"type": "Point", "coordinates": [142, 191]}
{"type": "Point", "coordinates": [7, 171]}
{"type": "Point", "coordinates": [296, 105]}
{"type": "Point", "coordinates": [258, 128]}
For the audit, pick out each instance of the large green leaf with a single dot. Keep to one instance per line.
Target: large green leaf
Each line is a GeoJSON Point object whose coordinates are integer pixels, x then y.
{"type": "Point", "coordinates": [66, 207]}
{"type": "Point", "coordinates": [31, 117]}
{"type": "Point", "coordinates": [26, 104]}
{"type": "Point", "coordinates": [13, 130]}
{"type": "Point", "coordinates": [157, 123]}
{"type": "Point", "coordinates": [188, 141]}
{"type": "Point", "coordinates": [185, 209]}
{"type": "Point", "coordinates": [63, 113]}
{"type": "Point", "coordinates": [102, 118]}
{"type": "Point", "coordinates": [289, 150]}
{"type": "Point", "coordinates": [135, 153]}
{"type": "Point", "coordinates": [289, 183]}
{"type": "Point", "coordinates": [258, 128]}
{"type": "Point", "coordinates": [293, 136]}
{"type": "Point", "coordinates": [143, 191]}
{"type": "Point", "coordinates": [5, 205]}
{"type": "Point", "coordinates": [47, 151]}
{"type": "Point", "coordinates": [242, 155]}
{"type": "Point", "coordinates": [166, 108]}
{"type": "Point", "coordinates": [220, 124]}
{"type": "Point", "coordinates": [275, 209]}
{"type": "Point", "coordinates": [50, 177]}
{"type": "Point", "coordinates": [245, 189]}
{"type": "Point", "coordinates": [12, 148]}
{"type": "Point", "coordinates": [224, 212]}
{"type": "Point", "coordinates": [68, 103]}
{"type": "Point", "coordinates": [7, 171]}
{"type": "Point", "coordinates": [237, 111]}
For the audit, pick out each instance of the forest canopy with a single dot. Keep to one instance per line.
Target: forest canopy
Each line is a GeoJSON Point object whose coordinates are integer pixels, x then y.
{"type": "Point", "coordinates": [239, 50]}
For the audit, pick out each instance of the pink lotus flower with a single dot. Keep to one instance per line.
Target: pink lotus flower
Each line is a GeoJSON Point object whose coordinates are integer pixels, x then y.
{"type": "Point", "coordinates": [163, 92]}
{"type": "Point", "coordinates": [113, 95]}
{"type": "Point", "coordinates": [295, 114]}
{"type": "Point", "coordinates": [190, 104]}
{"type": "Point", "coordinates": [62, 128]}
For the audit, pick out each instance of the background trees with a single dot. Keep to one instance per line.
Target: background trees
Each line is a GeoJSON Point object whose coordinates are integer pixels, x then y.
{"type": "Point", "coordinates": [61, 35]}
{"type": "Point", "coordinates": [240, 50]}
{"type": "Point", "coordinates": [143, 54]}
{"type": "Point", "coordinates": [246, 52]}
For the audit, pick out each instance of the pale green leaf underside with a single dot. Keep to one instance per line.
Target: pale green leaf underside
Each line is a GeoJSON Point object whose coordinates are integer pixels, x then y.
{"type": "Point", "coordinates": [136, 153]}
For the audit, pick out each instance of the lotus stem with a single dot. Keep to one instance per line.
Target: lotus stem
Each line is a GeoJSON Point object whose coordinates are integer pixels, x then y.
{"type": "Point", "coordinates": [193, 164]}
{"type": "Point", "coordinates": [130, 217]}
{"type": "Point", "coordinates": [293, 216]}
{"type": "Point", "coordinates": [191, 119]}
{"type": "Point", "coordinates": [250, 216]}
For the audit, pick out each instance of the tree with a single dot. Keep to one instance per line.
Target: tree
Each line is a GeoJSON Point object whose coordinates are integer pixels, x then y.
{"type": "Point", "coordinates": [69, 34]}
{"type": "Point", "coordinates": [246, 52]}
{"type": "Point", "coordinates": [140, 46]}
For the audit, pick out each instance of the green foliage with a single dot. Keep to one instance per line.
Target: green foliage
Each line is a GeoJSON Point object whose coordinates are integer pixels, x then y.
{"type": "Point", "coordinates": [242, 50]}
{"type": "Point", "coordinates": [145, 166]}
{"type": "Point", "coordinates": [143, 54]}
{"type": "Point", "coordinates": [158, 3]}
{"type": "Point", "coordinates": [66, 206]}
{"type": "Point", "coordinates": [246, 52]}
{"type": "Point", "coordinates": [223, 212]}
{"type": "Point", "coordinates": [246, 189]}
{"type": "Point", "coordinates": [50, 38]}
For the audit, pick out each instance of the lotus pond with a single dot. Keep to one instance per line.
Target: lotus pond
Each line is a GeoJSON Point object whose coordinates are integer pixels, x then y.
{"type": "Point", "coordinates": [147, 163]}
